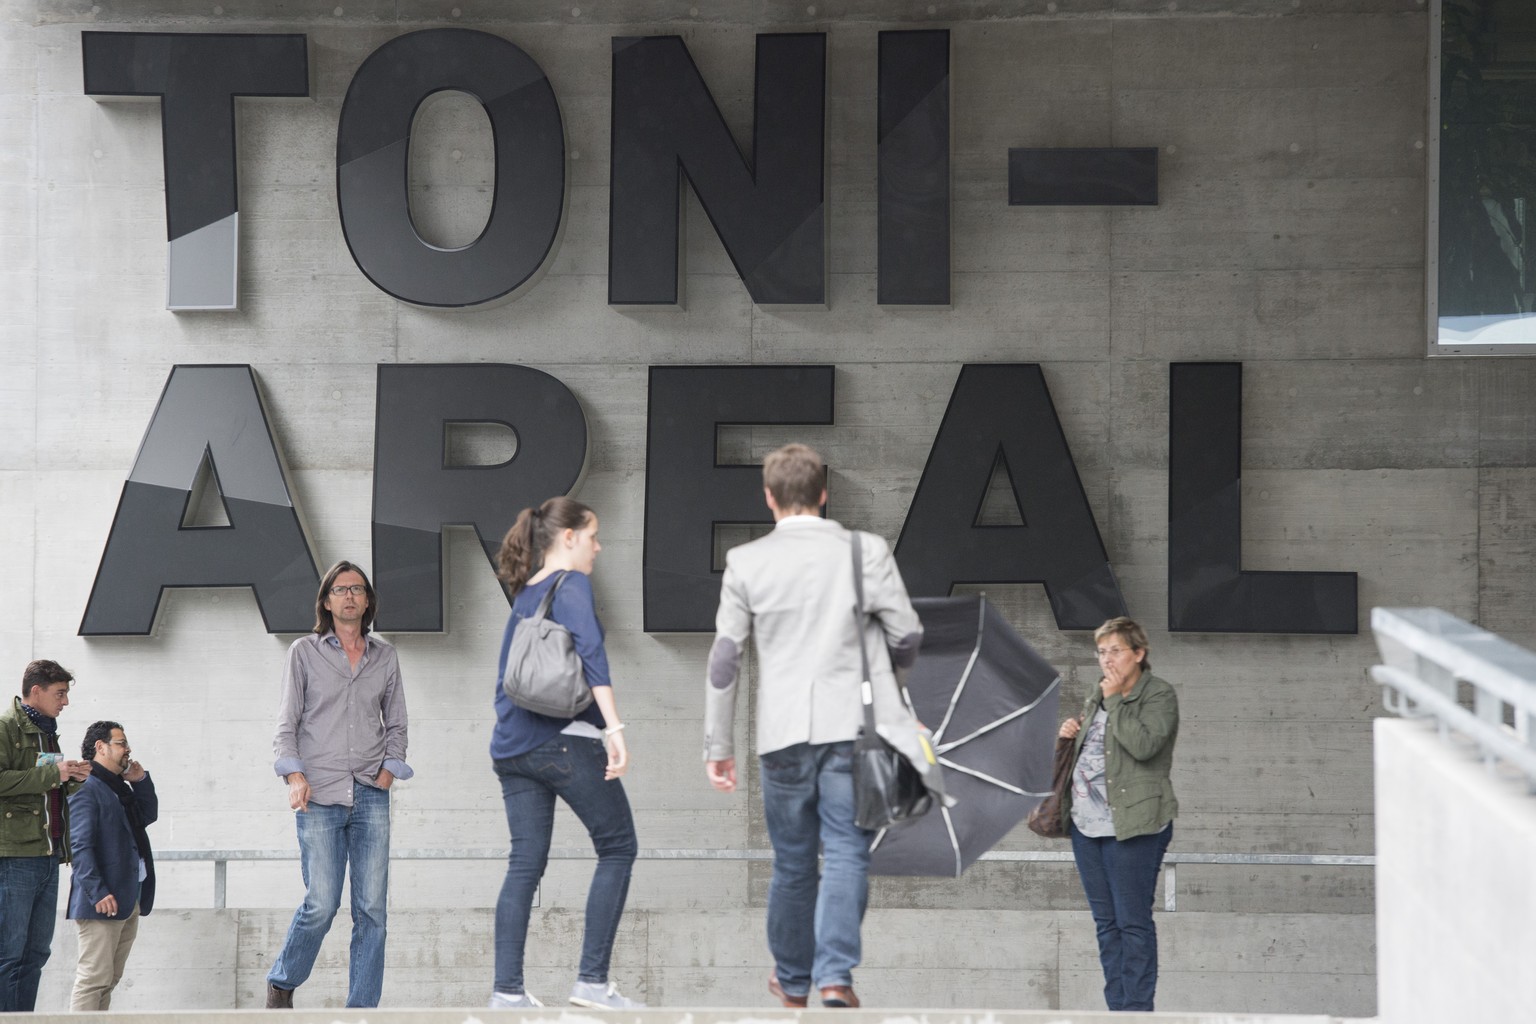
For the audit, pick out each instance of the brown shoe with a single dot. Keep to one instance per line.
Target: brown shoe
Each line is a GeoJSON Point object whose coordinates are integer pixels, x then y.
{"type": "Point", "coordinates": [839, 997]}
{"type": "Point", "coordinates": [791, 1002]}
{"type": "Point", "coordinates": [279, 998]}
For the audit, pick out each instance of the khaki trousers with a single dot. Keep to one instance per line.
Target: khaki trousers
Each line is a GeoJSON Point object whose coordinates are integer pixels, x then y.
{"type": "Point", "coordinates": [104, 947]}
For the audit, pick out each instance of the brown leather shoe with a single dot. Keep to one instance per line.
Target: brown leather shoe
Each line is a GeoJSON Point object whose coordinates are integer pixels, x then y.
{"type": "Point", "coordinates": [839, 997]}
{"type": "Point", "coordinates": [279, 998]}
{"type": "Point", "coordinates": [791, 1002]}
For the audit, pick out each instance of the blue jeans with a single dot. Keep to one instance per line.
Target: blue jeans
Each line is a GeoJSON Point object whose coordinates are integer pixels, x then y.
{"type": "Point", "coordinates": [1120, 880]}
{"type": "Point", "coordinates": [330, 837]}
{"type": "Point", "coordinates": [29, 898]}
{"type": "Point", "coordinates": [571, 768]}
{"type": "Point", "coordinates": [813, 925]}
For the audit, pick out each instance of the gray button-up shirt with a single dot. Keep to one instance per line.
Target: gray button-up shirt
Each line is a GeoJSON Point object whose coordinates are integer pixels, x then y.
{"type": "Point", "coordinates": [337, 724]}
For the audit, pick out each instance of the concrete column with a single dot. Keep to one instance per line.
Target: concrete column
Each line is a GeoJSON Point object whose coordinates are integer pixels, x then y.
{"type": "Point", "coordinates": [1454, 886]}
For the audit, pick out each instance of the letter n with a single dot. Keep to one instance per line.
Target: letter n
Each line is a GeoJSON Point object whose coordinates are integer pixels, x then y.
{"type": "Point", "coordinates": [768, 207]}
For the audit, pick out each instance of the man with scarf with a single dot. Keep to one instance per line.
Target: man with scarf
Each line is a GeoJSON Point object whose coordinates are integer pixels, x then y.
{"type": "Point", "coordinates": [34, 828]}
{"type": "Point", "coordinates": [112, 881]}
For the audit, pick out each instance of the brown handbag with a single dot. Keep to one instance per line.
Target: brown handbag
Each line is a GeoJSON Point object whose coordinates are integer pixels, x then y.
{"type": "Point", "coordinates": [1046, 819]}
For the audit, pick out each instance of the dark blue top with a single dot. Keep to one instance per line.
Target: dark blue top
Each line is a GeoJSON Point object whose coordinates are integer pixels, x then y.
{"type": "Point", "coordinates": [517, 730]}
{"type": "Point", "coordinates": [104, 858]}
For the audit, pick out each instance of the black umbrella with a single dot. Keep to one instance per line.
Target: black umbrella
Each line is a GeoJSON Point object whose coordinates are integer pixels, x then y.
{"type": "Point", "coordinates": [991, 701]}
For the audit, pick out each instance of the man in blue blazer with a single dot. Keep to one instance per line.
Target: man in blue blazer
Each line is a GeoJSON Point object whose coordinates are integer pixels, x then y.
{"type": "Point", "coordinates": [112, 881]}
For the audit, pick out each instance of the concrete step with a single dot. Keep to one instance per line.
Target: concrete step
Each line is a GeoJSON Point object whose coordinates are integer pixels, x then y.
{"type": "Point", "coordinates": [687, 959]}
{"type": "Point", "coordinates": [572, 1015]}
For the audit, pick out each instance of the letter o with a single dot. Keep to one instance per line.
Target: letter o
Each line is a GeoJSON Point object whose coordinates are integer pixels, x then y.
{"type": "Point", "coordinates": [373, 142]}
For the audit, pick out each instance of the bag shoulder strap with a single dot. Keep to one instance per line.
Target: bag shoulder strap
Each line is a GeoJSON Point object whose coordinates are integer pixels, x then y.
{"type": "Point", "coordinates": [858, 592]}
{"type": "Point", "coordinates": [548, 601]}
{"type": "Point", "coordinates": [866, 687]}
{"type": "Point", "coordinates": [858, 575]}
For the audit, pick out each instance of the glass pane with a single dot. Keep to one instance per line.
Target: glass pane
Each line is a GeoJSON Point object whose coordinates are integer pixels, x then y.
{"type": "Point", "coordinates": [1487, 154]}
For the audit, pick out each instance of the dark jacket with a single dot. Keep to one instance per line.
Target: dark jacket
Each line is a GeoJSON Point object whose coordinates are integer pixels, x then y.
{"type": "Point", "coordinates": [105, 860]}
{"type": "Point", "coordinates": [24, 789]}
{"type": "Point", "coordinates": [1138, 754]}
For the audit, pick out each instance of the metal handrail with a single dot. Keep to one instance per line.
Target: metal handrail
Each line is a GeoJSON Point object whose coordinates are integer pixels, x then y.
{"type": "Point", "coordinates": [221, 859]}
{"type": "Point", "coordinates": [1417, 699]}
{"type": "Point", "coordinates": [1428, 653]}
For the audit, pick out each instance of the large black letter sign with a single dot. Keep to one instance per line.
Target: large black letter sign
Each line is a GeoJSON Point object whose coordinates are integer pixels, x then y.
{"type": "Point", "coordinates": [687, 491]}
{"type": "Point", "coordinates": [373, 143]}
{"type": "Point", "coordinates": [1005, 410]}
{"type": "Point", "coordinates": [769, 209]}
{"type": "Point", "coordinates": [197, 78]}
{"type": "Point", "coordinates": [914, 169]}
{"type": "Point", "coordinates": [213, 413]}
{"type": "Point", "coordinates": [1122, 176]}
{"type": "Point", "coordinates": [416, 493]}
{"type": "Point", "coordinates": [1208, 590]}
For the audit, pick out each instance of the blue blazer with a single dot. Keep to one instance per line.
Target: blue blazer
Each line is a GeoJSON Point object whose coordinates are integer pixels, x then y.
{"type": "Point", "coordinates": [103, 859]}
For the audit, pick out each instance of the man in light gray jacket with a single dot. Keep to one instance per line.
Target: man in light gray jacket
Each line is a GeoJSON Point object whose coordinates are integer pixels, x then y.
{"type": "Point", "coordinates": [793, 591]}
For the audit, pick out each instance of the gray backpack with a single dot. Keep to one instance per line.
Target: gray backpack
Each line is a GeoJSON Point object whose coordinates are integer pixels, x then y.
{"type": "Point", "coordinates": [544, 671]}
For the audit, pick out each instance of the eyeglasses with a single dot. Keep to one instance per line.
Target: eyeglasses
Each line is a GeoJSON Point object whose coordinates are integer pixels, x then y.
{"type": "Point", "coordinates": [1110, 652]}
{"type": "Point", "coordinates": [117, 743]}
{"type": "Point", "coordinates": [356, 590]}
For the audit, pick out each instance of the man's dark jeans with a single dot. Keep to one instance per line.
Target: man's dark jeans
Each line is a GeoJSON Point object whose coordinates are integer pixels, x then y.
{"type": "Point", "coordinates": [813, 923]}
{"type": "Point", "coordinates": [29, 899]}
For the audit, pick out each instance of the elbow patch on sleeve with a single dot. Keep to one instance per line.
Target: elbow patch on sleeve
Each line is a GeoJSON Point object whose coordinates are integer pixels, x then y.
{"type": "Point", "coordinates": [904, 651]}
{"type": "Point", "coordinates": [724, 663]}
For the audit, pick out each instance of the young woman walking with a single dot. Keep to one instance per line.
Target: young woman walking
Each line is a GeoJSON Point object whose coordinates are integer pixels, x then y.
{"type": "Point", "coordinates": [579, 760]}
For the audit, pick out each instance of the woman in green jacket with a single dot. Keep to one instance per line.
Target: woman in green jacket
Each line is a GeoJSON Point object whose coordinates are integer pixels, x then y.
{"type": "Point", "coordinates": [1121, 807]}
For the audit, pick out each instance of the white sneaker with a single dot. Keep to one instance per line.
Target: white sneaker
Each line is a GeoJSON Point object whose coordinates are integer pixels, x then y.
{"type": "Point", "coordinates": [597, 995]}
{"type": "Point", "coordinates": [512, 1001]}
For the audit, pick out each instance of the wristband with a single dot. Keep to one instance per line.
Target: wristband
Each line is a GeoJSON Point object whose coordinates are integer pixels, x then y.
{"type": "Point", "coordinates": [617, 728]}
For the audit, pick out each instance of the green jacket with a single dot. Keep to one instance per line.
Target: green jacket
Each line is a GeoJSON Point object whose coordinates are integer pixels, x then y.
{"type": "Point", "coordinates": [1138, 753]}
{"type": "Point", "coordinates": [24, 787]}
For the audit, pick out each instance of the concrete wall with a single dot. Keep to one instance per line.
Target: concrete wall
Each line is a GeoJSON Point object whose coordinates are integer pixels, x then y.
{"type": "Point", "coordinates": [1289, 235]}
{"type": "Point", "coordinates": [1454, 886]}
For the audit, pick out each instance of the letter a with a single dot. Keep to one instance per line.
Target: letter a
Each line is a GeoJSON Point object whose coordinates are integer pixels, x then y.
{"type": "Point", "coordinates": [1006, 409]}
{"type": "Point", "coordinates": [211, 413]}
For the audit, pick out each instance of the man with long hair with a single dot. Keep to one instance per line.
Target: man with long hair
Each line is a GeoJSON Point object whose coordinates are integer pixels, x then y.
{"type": "Point", "coordinates": [340, 745]}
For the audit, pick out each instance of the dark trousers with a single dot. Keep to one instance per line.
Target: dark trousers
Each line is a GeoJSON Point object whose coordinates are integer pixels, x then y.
{"type": "Point", "coordinates": [571, 768]}
{"type": "Point", "coordinates": [814, 911]}
{"type": "Point", "coordinates": [1120, 880]}
{"type": "Point", "coordinates": [29, 898]}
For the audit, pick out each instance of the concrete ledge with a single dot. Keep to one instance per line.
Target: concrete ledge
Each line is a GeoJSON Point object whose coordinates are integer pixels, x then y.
{"type": "Point", "coordinates": [700, 960]}
{"type": "Point", "coordinates": [552, 1015]}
